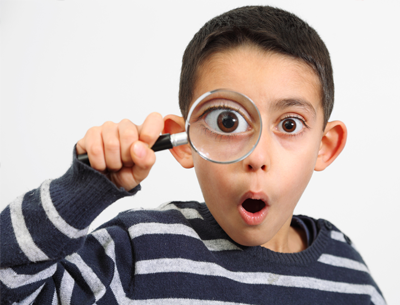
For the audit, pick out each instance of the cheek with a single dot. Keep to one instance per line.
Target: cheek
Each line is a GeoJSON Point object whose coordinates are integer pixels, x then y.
{"type": "Point", "coordinates": [294, 169]}
{"type": "Point", "coordinates": [211, 177]}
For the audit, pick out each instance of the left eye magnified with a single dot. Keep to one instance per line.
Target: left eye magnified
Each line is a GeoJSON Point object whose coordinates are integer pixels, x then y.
{"type": "Point", "coordinates": [226, 121]}
{"type": "Point", "coordinates": [291, 125]}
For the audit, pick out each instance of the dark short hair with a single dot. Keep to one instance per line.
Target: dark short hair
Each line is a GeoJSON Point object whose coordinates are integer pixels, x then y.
{"type": "Point", "coordinates": [269, 28]}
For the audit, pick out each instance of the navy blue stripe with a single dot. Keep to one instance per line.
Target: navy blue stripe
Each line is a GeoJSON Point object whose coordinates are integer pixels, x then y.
{"type": "Point", "coordinates": [125, 257]}
{"type": "Point", "coordinates": [81, 291]}
{"type": "Point", "coordinates": [38, 222]}
{"type": "Point", "coordinates": [96, 258]}
{"type": "Point", "coordinates": [216, 288]}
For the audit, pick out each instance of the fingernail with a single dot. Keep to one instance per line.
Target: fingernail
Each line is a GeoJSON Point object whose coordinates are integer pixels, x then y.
{"type": "Point", "coordinates": [139, 149]}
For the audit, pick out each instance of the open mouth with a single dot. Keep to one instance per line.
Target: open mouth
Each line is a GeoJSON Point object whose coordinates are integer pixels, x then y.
{"type": "Point", "coordinates": [253, 205]}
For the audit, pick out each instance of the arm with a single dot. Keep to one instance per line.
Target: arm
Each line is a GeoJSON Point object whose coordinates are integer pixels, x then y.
{"type": "Point", "coordinates": [48, 224]}
{"type": "Point", "coordinates": [42, 231]}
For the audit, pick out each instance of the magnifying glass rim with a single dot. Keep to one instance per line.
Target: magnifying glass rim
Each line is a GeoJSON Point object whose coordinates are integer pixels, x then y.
{"type": "Point", "coordinates": [188, 126]}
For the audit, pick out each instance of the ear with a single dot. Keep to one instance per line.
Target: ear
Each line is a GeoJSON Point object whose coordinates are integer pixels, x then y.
{"type": "Point", "coordinates": [332, 144]}
{"type": "Point", "coordinates": [183, 153]}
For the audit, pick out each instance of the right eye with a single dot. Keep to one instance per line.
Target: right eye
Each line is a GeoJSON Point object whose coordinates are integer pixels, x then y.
{"type": "Point", "coordinates": [226, 121]}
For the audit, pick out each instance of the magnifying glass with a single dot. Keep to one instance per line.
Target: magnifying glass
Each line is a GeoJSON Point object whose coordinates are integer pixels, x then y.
{"type": "Point", "coordinates": [223, 126]}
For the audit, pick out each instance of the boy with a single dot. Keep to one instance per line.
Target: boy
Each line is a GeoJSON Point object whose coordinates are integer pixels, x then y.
{"type": "Point", "coordinates": [243, 246]}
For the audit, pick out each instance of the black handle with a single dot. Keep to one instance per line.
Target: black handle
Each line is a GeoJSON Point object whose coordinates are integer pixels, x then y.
{"type": "Point", "coordinates": [163, 142]}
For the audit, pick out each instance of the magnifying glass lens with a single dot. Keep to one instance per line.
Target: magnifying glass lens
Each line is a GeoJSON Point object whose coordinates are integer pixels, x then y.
{"type": "Point", "coordinates": [223, 126]}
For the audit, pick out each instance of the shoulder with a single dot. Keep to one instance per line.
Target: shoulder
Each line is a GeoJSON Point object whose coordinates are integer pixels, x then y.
{"type": "Point", "coordinates": [339, 250]}
{"type": "Point", "coordinates": [337, 261]}
{"type": "Point", "coordinates": [183, 218]}
{"type": "Point", "coordinates": [334, 235]}
{"type": "Point", "coordinates": [183, 223]}
{"type": "Point", "coordinates": [170, 212]}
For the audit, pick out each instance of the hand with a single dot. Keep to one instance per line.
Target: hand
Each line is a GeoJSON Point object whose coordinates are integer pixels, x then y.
{"type": "Point", "coordinates": [123, 151]}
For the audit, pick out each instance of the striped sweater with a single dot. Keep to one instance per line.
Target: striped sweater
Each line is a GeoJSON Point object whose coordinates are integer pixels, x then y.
{"type": "Point", "coordinates": [176, 254]}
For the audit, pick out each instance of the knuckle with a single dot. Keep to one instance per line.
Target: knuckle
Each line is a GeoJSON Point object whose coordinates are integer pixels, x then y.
{"type": "Point", "coordinates": [128, 134]}
{"type": "Point", "coordinates": [145, 137]}
{"type": "Point", "coordinates": [157, 117]}
{"type": "Point", "coordinates": [96, 151]}
{"type": "Point", "coordinates": [109, 124]}
{"type": "Point", "coordinates": [93, 130]}
{"type": "Point", "coordinates": [112, 145]}
{"type": "Point", "coordinates": [125, 121]}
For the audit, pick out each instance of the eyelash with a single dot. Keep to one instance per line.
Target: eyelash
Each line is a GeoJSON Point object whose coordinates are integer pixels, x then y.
{"type": "Point", "coordinates": [212, 108]}
{"type": "Point", "coordinates": [226, 107]}
{"type": "Point", "coordinates": [217, 135]}
{"type": "Point", "coordinates": [294, 117]}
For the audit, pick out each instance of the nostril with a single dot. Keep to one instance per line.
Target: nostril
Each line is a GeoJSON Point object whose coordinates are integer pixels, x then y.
{"type": "Point", "coordinates": [263, 167]}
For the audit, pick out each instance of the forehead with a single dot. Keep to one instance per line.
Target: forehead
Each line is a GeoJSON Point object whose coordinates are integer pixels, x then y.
{"type": "Point", "coordinates": [270, 79]}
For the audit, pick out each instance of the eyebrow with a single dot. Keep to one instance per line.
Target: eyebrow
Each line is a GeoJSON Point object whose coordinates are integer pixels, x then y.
{"type": "Point", "coordinates": [299, 103]}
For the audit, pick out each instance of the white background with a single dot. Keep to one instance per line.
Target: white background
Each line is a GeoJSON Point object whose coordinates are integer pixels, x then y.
{"type": "Point", "coordinates": [69, 65]}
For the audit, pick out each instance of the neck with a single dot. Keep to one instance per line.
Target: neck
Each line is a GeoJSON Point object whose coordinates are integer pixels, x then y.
{"type": "Point", "coordinates": [287, 240]}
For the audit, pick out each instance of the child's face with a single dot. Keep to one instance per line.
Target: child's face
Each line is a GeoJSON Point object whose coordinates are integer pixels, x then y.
{"type": "Point", "coordinates": [281, 166]}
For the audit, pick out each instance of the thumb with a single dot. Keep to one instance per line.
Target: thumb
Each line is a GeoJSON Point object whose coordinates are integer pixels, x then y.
{"type": "Point", "coordinates": [144, 158]}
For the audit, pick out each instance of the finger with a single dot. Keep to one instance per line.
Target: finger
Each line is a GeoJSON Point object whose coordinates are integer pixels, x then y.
{"type": "Point", "coordinates": [80, 147]}
{"type": "Point", "coordinates": [144, 159]}
{"type": "Point", "coordinates": [128, 134]}
{"type": "Point", "coordinates": [93, 144]}
{"type": "Point", "coordinates": [112, 148]}
{"type": "Point", "coordinates": [151, 128]}
{"type": "Point", "coordinates": [123, 178]}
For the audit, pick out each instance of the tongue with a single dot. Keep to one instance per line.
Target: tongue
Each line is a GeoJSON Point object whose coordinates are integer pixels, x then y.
{"type": "Point", "coordinates": [253, 205]}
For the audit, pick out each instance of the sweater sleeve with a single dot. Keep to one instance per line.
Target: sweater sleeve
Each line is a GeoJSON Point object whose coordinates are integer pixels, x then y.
{"type": "Point", "coordinates": [43, 230]}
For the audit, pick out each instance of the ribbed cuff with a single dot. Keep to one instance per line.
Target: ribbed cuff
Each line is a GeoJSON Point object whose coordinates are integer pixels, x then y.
{"type": "Point", "coordinates": [82, 193]}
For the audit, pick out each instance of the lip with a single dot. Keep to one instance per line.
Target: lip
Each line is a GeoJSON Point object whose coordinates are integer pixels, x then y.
{"type": "Point", "coordinates": [253, 219]}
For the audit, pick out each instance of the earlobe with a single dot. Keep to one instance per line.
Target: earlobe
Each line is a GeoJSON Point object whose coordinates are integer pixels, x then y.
{"type": "Point", "coordinates": [332, 144]}
{"type": "Point", "coordinates": [183, 153]}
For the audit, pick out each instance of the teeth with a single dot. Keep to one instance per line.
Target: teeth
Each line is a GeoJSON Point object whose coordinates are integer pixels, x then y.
{"type": "Point", "coordinates": [253, 205]}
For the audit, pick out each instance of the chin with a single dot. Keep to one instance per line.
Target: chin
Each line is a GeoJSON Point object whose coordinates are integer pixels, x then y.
{"type": "Point", "coordinates": [250, 241]}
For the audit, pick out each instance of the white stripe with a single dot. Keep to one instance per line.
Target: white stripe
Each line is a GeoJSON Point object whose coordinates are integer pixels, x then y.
{"type": "Point", "coordinates": [14, 280]}
{"type": "Point", "coordinates": [29, 300]}
{"type": "Point", "coordinates": [53, 215]}
{"type": "Point", "coordinates": [89, 276]}
{"type": "Point", "coordinates": [338, 236]}
{"type": "Point", "coordinates": [220, 245]}
{"type": "Point", "coordinates": [179, 229]}
{"type": "Point", "coordinates": [24, 238]}
{"type": "Point", "coordinates": [105, 239]}
{"type": "Point", "coordinates": [189, 213]}
{"type": "Point", "coordinates": [161, 228]}
{"type": "Point", "coordinates": [211, 269]}
{"type": "Point", "coordinates": [55, 300]}
{"type": "Point", "coordinates": [66, 288]}
{"type": "Point", "coordinates": [107, 242]}
{"type": "Point", "coordinates": [163, 205]}
{"type": "Point", "coordinates": [342, 262]}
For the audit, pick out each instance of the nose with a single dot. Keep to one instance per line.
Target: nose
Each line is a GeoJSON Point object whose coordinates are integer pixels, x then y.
{"type": "Point", "coordinates": [259, 159]}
